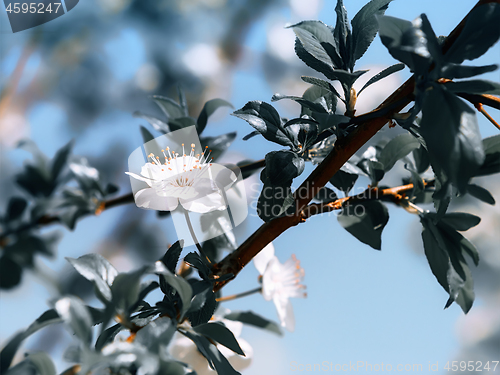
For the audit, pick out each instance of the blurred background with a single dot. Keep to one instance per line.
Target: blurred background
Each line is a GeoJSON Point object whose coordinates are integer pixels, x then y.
{"type": "Point", "coordinates": [82, 76]}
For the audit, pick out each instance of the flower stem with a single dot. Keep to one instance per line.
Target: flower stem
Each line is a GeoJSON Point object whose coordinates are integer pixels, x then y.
{"type": "Point", "coordinates": [191, 230]}
{"type": "Point", "coordinates": [239, 295]}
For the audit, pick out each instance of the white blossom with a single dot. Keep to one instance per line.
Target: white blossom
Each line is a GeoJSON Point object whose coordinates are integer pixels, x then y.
{"type": "Point", "coordinates": [280, 282]}
{"type": "Point", "coordinates": [186, 179]}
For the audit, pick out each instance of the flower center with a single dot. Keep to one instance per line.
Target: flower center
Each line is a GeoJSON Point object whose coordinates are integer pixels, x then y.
{"type": "Point", "coordinates": [182, 171]}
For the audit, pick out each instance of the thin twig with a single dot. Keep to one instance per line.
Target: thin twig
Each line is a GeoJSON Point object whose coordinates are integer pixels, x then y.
{"type": "Point", "coordinates": [239, 295]}
{"type": "Point", "coordinates": [481, 109]}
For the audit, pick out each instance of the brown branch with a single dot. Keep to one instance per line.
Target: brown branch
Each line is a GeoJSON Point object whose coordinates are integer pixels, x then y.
{"type": "Point", "coordinates": [51, 219]}
{"type": "Point", "coordinates": [341, 153]}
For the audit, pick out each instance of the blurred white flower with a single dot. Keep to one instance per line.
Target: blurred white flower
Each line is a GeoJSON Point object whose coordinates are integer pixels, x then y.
{"type": "Point", "coordinates": [280, 282]}
{"type": "Point", "coordinates": [203, 60]}
{"type": "Point", "coordinates": [184, 350]}
{"type": "Point", "coordinates": [186, 179]}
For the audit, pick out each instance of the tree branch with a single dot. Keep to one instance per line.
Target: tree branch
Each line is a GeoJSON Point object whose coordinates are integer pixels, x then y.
{"type": "Point", "coordinates": [344, 149]}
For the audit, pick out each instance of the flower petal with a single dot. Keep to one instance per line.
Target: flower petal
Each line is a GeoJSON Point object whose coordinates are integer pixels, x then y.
{"type": "Point", "coordinates": [140, 178]}
{"type": "Point", "coordinates": [271, 279]}
{"type": "Point", "coordinates": [261, 260]}
{"type": "Point", "coordinates": [204, 204]}
{"type": "Point", "coordinates": [147, 198]}
{"type": "Point", "coordinates": [285, 312]}
{"type": "Point", "coordinates": [152, 171]}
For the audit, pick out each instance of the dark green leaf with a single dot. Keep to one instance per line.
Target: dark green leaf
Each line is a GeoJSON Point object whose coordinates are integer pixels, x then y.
{"type": "Point", "coordinates": [315, 107]}
{"type": "Point", "coordinates": [325, 98]}
{"type": "Point", "coordinates": [76, 316]}
{"type": "Point", "coordinates": [461, 221]}
{"type": "Point", "coordinates": [111, 189]}
{"type": "Point", "coordinates": [181, 123]}
{"type": "Point", "coordinates": [215, 358]}
{"type": "Point", "coordinates": [442, 195]}
{"type": "Point", "coordinates": [433, 45]}
{"type": "Point", "coordinates": [42, 362]}
{"type": "Point", "coordinates": [474, 86]}
{"type": "Point", "coordinates": [346, 78]}
{"type": "Point", "coordinates": [480, 193]}
{"type": "Point", "coordinates": [171, 257]}
{"type": "Point", "coordinates": [38, 363]}
{"type": "Point", "coordinates": [384, 73]}
{"type": "Point", "coordinates": [182, 100]}
{"type": "Point", "coordinates": [249, 317]}
{"type": "Point", "coordinates": [15, 209]}
{"type": "Point", "coordinates": [220, 334]}
{"type": "Point", "coordinates": [218, 144]}
{"type": "Point", "coordinates": [9, 350]}
{"type": "Point", "coordinates": [265, 119]}
{"type": "Point", "coordinates": [303, 132]}
{"type": "Point", "coordinates": [365, 26]}
{"type": "Point", "coordinates": [146, 135]}
{"type": "Point", "coordinates": [47, 318]}
{"type": "Point", "coordinates": [329, 121]}
{"type": "Point", "coordinates": [208, 109]}
{"type": "Point", "coordinates": [35, 182]}
{"type": "Point", "coordinates": [272, 199]}
{"type": "Point", "coordinates": [125, 290]}
{"type": "Point", "coordinates": [97, 269]}
{"type": "Point", "coordinates": [60, 160]}
{"type": "Point", "coordinates": [374, 169]}
{"type": "Point", "coordinates": [321, 83]}
{"type": "Point", "coordinates": [491, 145]}
{"type": "Point", "coordinates": [157, 334]}
{"type": "Point", "coordinates": [416, 180]}
{"type": "Point", "coordinates": [461, 285]}
{"type": "Point", "coordinates": [326, 195]}
{"type": "Point", "coordinates": [310, 60]}
{"type": "Point", "coordinates": [283, 167]}
{"type": "Point", "coordinates": [397, 148]}
{"type": "Point", "coordinates": [315, 37]}
{"type": "Point", "coordinates": [450, 129]}
{"type": "Point", "coordinates": [196, 261]}
{"type": "Point", "coordinates": [178, 283]}
{"type": "Point", "coordinates": [405, 43]}
{"type": "Point", "coordinates": [169, 107]}
{"type": "Point", "coordinates": [10, 273]}
{"type": "Point", "coordinates": [203, 313]}
{"type": "Point", "coordinates": [480, 32]}
{"type": "Point", "coordinates": [365, 221]}
{"type": "Point", "coordinates": [454, 71]}
{"type": "Point", "coordinates": [107, 336]}
{"type": "Point", "coordinates": [344, 181]}
{"type": "Point", "coordinates": [444, 248]}
{"type": "Point", "coordinates": [343, 37]}
{"type": "Point", "coordinates": [157, 124]}
{"type": "Point", "coordinates": [436, 256]}
{"type": "Point", "coordinates": [491, 162]}
{"type": "Point", "coordinates": [421, 158]}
